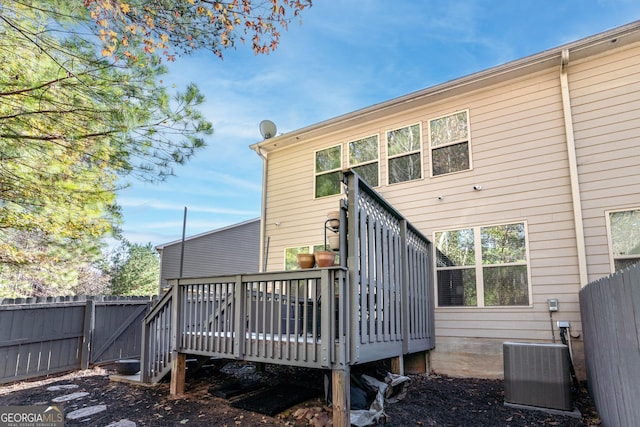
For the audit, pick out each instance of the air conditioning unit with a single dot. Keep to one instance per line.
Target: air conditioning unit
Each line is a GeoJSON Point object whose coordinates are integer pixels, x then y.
{"type": "Point", "coordinates": [537, 375]}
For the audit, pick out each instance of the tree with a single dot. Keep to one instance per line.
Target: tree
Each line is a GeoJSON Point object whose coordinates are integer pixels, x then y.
{"type": "Point", "coordinates": [83, 110]}
{"type": "Point", "coordinates": [72, 124]}
{"type": "Point", "coordinates": [63, 272]}
{"type": "Point", "coordinates": [187, 25]}
{"type": "Point", "coordinates": [135, 270]}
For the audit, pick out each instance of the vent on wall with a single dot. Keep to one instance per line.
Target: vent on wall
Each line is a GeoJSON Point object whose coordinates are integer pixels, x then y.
{"type": "Point", "coordinates": [537, 374]}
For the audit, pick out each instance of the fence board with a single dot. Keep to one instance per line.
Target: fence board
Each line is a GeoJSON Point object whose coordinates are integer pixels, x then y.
{"type": "Point", "coordinates": [44, 338]}
{"type": "Point", "coordinates": [610, 311]}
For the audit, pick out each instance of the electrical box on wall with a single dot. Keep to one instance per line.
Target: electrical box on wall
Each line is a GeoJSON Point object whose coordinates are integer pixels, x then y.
{"type": "Point", "coordinates": [553, 304]}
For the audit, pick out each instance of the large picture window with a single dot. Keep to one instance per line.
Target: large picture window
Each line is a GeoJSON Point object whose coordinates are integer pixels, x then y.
{"type": "Point", "coordinates": [327, 171]}
{"type": "Point", "coordinates": [404, 154]}
{"type": "Point", "coordinates": [450, 143]}
{"type": "Point", "coordinates": [624, 232]}
{"type": "Point", "coordinates": [363, 159]}
{"type": "Point", "coordinates": [482, 266]}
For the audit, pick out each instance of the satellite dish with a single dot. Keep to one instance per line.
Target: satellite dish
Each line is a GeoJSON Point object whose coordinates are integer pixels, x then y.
{"type": "Point", "coordinates": [267, 129]}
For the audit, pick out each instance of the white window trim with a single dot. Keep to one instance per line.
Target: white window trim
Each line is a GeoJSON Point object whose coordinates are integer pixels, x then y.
{"type": "Point", "coordinates": [316, 174]}
{"type": "Point", "coordinates": [420, 151]}
{"type": "Point", "coordinates": [468, 140]}
{"type": "Point", "coordinates": [607, 217]}
{"type": "Point", "coordinates": [310, 247]}
{"type": "Point", "coordinates": [348, 150]}
{"type": "Point", "coordinates": [479, 268]}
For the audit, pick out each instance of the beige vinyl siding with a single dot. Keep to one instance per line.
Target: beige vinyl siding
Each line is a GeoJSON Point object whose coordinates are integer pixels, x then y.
{"type": "Point", "coordinates": [520, 159]}
{"type": "Point", "coordinates": [605, 95]}
{"type": "Point", "coordinates": [519, 156]}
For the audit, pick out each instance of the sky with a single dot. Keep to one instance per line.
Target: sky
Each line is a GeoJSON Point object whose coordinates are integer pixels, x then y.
{"type": "Point", "coordinates": [342, 55]}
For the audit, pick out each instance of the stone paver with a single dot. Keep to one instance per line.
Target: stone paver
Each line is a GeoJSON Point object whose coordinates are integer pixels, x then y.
{"type": "Point", "coordinates": [68, 397]}
{"type": "Point", "coordinates": [62, 387]}
{"type": "Point", "coordinates": [86, 412]}
{"type": "Point", "coordinates": [122, 423]}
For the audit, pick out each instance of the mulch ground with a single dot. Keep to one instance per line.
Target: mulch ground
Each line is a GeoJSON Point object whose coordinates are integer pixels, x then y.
{"type": "Point", "coordinates": [431, 400]}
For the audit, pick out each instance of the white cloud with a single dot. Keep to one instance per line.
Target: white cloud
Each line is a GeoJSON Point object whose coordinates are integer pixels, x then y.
{"type": "Point", "coordinates": [164, 205]}
{"type": "Point", "coordinates": [343, 57]}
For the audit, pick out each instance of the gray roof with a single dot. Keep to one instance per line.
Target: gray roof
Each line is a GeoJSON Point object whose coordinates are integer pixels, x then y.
{"type": "Point", "coordinates": [207, 233]}
{"type": "Point", "coordinates": [557, 56]}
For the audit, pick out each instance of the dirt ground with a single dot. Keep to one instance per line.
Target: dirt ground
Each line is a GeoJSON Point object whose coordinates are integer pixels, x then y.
{"type": "Point", "coordinates": [431, 400]}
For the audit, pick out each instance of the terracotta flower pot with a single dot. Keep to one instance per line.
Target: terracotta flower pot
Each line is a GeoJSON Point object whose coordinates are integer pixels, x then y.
{"type": "Point", "coordinates": [306, 260]}
{"type": "Point", "coordinates": [325, 258]}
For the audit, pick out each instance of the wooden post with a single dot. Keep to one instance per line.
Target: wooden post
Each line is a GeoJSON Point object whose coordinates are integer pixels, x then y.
{"type": "Point", "coordinates": [178, 360]}
{"type": "Point", "coordinates": [89, 326]}
{"type": "Point", "coordinates": [417, 363]}
{"type": "Point", "coordinates": [340, 392]}
{"type": "Point", "coordinates": [397, 365]}
{"type": "Point", "coordinates": [178, 373]}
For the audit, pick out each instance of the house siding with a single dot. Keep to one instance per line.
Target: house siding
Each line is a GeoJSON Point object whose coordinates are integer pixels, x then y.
{"type": "Point", "coordinates": [605, 96]}
{"type": "Point", "coordinates": [521, 160]}
{"type": "Point", "coordinates": [232, 250]}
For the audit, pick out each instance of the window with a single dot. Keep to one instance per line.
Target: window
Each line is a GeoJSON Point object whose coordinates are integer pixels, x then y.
{"type": "Point", "coordinates": [624, 231]}
{"type": "Point", "coordinates": [404, 155]}
{"type": "Point", "coordinates": [328, 166]}
{"type": "Point", "coordinates": [456, 268]}
{"type": "Point", "coordinates": [449, 139]}
{"type": "Point", "coordinates": [482, 266]}
{"type": "Point", "coordinates": [363, 158]}
{"type": "Point", "coordinates": [291, 260]}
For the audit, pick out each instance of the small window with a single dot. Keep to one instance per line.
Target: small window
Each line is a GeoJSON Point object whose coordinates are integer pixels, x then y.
{"type": "Point", "coordinates": [482, 266]}
{"type": "Point", "coordinates": [404, 154]}
{"type": "Point", "coordinates": [624, 229]}
{"type": "Point", "coordinates": [291, 259]}
{"type": "Point", "coordinates": [363, 158]}
{"type": "Point", "coordinates": [327, 171]}
{"type": "Point", "coordinates": [450, 143]}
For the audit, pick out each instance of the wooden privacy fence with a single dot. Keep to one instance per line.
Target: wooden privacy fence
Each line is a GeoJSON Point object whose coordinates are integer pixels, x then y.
{"type": "Point", "coordinates": [46, 336]}
{"type": "Point", "coordinates": [610, 310]}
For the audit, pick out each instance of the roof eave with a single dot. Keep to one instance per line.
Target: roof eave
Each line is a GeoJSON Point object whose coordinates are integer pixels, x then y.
{"type": "Point", "coordinates": [583, 48]}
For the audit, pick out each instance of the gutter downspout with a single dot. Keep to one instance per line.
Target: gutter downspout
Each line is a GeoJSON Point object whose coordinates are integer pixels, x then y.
{"type": "Point", "coordinates": [573, 169]}
{"type": "Point", "coordinates": [263, 210]}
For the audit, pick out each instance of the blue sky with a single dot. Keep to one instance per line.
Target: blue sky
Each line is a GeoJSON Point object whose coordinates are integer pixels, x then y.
{"type": "Point", "coordinates": [343, 56]}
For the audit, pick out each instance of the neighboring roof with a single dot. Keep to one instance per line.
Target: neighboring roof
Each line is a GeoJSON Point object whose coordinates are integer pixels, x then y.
{"type": "Point", "coordinates": [207, 233]}
{"type": "Point", "coordinates": [583, 48]}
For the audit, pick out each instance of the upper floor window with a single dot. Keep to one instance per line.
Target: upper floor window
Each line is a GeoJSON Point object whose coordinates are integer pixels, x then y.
{"type": "Point", "coordinates": [327, 171]}
{"type": "Point", "coordinates": [363, 158]}
{"type": "Point", "coordinates": [404, 154]}
{"type": "Point", "coordinates": [482, 266]}
{"type": "Point", "coordinates": [624, 227]}
{"type": "Point", "coordinates": [450, 143]}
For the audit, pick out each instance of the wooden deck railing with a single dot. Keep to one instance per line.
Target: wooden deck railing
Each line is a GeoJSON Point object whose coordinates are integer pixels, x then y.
{"type": "Point", "coordinates": [377, 305]}
{"type": "Point", "coordinates": [390, 263]}
{"type": "Point", "coordinates": [281, 317]}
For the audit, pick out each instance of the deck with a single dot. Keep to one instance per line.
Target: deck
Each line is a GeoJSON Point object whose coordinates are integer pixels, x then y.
{"type": "Point", "coordinates": [377, 305]}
